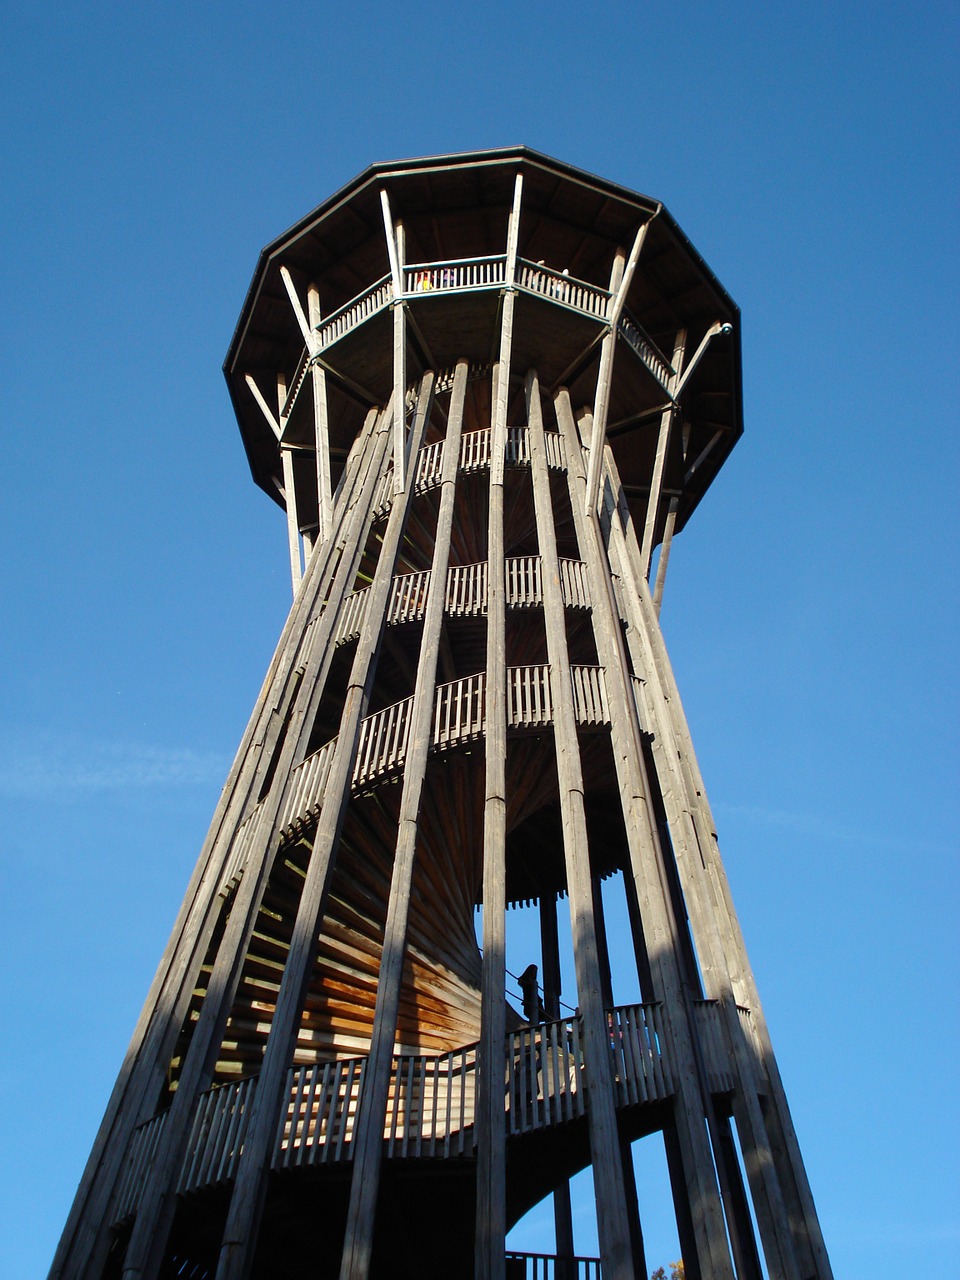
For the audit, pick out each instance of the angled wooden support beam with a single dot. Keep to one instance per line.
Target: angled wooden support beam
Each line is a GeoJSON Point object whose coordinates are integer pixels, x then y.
{"type": "Point", "coordinates": [648, 873]}
{"type": "Point", "coordinates": [660, 458]}
{"type": "Point", "coordinates": [250, 1185]}
{"type": "Point", "coordinates": [394, 235]}
{"type": "Point", "coordinates": [666, 542]}
{"type": "Point", "coordinates": [289, 495]}
{"type": "Point", "coordinates": [717, 327]}
{"type": "Point", "coordinates": [368, 1132]}
{"type": "Point", "coordinates": [306, 329]}
{"type": "Point", "coordinates": [264, 407]}
{"type": "Point", "coordinates": [321, 426]}
{"type": "Point", "coordinates": [146, 1249]}
{"type": "Point", "coordinates": [621, 277]}
{"type": "Point", "coordinates": [618, 1248]}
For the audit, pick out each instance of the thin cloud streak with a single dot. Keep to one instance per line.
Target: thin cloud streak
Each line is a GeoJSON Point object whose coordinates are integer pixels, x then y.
{"type": "Point", "coordinates": [44, 762]}
{"type": "Point", "coordinates": [808, 824]}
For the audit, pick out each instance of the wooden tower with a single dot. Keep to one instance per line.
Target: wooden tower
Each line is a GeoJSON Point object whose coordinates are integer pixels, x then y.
{"type": "Point", "coordinates": [484, 388]}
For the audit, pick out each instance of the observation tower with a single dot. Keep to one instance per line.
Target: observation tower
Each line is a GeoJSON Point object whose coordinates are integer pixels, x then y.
{"type": "Point", "coordinates": [484, 388]}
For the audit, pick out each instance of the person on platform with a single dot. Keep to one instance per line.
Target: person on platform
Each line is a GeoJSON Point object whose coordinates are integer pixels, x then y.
{"type": "Point", "coordinates": [532, 1004]}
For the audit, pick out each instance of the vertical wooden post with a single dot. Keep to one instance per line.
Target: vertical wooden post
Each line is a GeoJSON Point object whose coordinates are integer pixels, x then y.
{"type": "Point", "coordinates": [148, 1240]}
{"type": "Point", "coordinates": [621, 277]}
{"type": "Point", "coordinates": [293, 527]}
{"type": "Point", "coordinates": [665, 545]}
{"type": "Point", "coordinates": [246, 1204]}
{"type": "Point", "coordinates": [660, 458]}
{"type": "Point", "coordinates": [399, 348]}
{"type": "Point", "coordinates": [321, 424]}
{"type": "Point", "coordinates": [780, 1244]}
{"type": "Point", "coordinates": [489, 1262]}
{"type": "Point", "coordinates": [649, 875]}
{"type": "Point", "coordinates": [368, 1131]}
{"type": "Point", "coordinates": [613, 1222]}
{"type": "Point", "coordinates": [550, 955]}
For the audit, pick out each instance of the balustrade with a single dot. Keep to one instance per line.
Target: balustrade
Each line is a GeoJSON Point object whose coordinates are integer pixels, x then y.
{"type": "Point", "coordinates": [644, 347]}
{"type": "Point", "coordinates": [459, 711]}
{"type": "Point", "coordinates": [529, 697]}
{"type": "Point", "coordinates": [430, 1105]}
{"type": "Point", "coordinates": [458, 273]}
{"type": "Point", "coordinates": [363, 306]}
{"type": "Point", "coordinates": [561, 287]}
{"type": "Point", "coordinates": [544, 1266]}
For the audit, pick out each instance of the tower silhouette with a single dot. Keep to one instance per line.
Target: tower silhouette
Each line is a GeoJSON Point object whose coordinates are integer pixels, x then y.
{"type": "Point", "coordinates": [485, 388]}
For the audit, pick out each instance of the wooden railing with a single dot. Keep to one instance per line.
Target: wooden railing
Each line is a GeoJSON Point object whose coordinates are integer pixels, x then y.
{"type": "Point", "coordinates": [544, 1266]}
{"type": "Point", "coordinates": [475, 449]}
{"type": "Point", "coordinates": [467, 274]}
{"type": "Point", "coordinates": [467, 589]}
{"type": "Point", "coordinates": [459, 717]}
{"type": "Point", "coordinates": [643, 346]}
{"type": "Point", "coordinates": [544, 1076]}
{"type": "Point", "coordinates": [455, 274]}
{"type": "Point", "coordinates": [354, 312]}
{"type": "Point", "coordinates": [382, 748]}
{"type": "Point", "coordinates": [636, 1040]}
{"type": "Point", "coordinates": [216, 1138]}
{"type": "Point", "coordinates": [529, 697]}
{"type": "Point", "coordinates": [430, 1105]}
{"type": "Point", "coordinates": [466, 593]}
{"type": "Point", "coordinates": [318, 1123]}
{"type": "Point", "coordinates": [460, 713]}
{"type": "Point", "coordinates": [564, 288]}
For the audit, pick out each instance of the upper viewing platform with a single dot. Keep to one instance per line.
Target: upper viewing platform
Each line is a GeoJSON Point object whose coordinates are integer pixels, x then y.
{"type": "Point", "coordinates": [446, 257]}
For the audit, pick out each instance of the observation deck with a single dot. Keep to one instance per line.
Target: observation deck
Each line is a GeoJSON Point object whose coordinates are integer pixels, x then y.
{"type": "Point", "coordinates": [453, 211]}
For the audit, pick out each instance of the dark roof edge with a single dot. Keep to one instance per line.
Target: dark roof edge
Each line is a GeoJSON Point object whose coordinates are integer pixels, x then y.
{"type": "Point", "coordinates": [385, 169]}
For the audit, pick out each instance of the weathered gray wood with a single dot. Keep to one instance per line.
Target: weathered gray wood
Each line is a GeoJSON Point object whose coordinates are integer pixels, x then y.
{"type": "Point", "coordinates": [305, 328]}
{"type": "Point", "coordinates": [666, 543]}
{"type": "Point", "coordinates": [491, 1130]}
{"type": "Point", "coordinates": [321, 424]}
{"type": "Point", "coordinates": [613, 1222]}
{"type": "Point", "coordinates": [660, 458]}
{"type": "Point", "coordinates": [86, 1233]}
{"type": "Point", "coordinates": [264, 407]}
{"type": "Point", "coordinates": [717, 327]}
{"type": "Point", "coordinates": [246, 1203]}
{"type": "Point", "coordinates": [773, 1217]}
{"type": "Point", "coordinates": [621, 277]}
{"type": "Point", "coordinates": [649, 876]}
{"type": "Point", "coordinates": [399, 346]}
{"type": "Point", "coordinates": [147, 1243]}
{"type": "Point", "coordinates": [706, 884]}
{"type": "Point", "coordinates": [368, 1134]}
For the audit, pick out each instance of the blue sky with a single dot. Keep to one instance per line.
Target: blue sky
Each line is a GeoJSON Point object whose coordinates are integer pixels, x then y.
{"type": "Point", "coordinates": [811, 606]}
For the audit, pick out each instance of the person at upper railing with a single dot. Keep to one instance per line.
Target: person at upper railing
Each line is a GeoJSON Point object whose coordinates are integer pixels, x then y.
{"type": "Point", "coordinates": [532, 1004]}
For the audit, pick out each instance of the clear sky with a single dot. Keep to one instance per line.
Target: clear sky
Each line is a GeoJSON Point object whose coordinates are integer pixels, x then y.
{"type": "Point", "coordinates": [810, 152]}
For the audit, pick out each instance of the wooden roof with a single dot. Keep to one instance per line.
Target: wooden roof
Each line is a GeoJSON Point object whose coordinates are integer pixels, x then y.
{"type": "Point", "coordinates": [456, 207]}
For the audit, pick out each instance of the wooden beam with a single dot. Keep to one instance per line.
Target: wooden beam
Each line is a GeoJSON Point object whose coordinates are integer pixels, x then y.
{"type": "Point", "coordinates": [650, 882]}
{"type": "Point", "coordinates": [368, 1131]}
{"type": "Point", "coordinates": [491, 1226]}
{"type": "Point", "coordinates": [293, 529]}
{"type": "Point", "coordinates": [613, 1223]}
{"type": "Point", "coordinates": [321, 425]}
{"type": "Point", "coordinates": [602, 397]}
{"type": "Point", "coordinates": [782, 1201]}
{"type": "Point", "coordinates": [304, 648]}
{"type": "Point", "coordinates": [717, 327]}
{"type": "Point", "coordinates": [660, 459]}
{"type": "Point", "coordinates": [306, 329]}
{"type": "Point", "coordinates": [264, 407]}
{"type": "Point", "coordinates": [246, 1204]}
{"type": "Point", "coordinates": [621, 277]}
